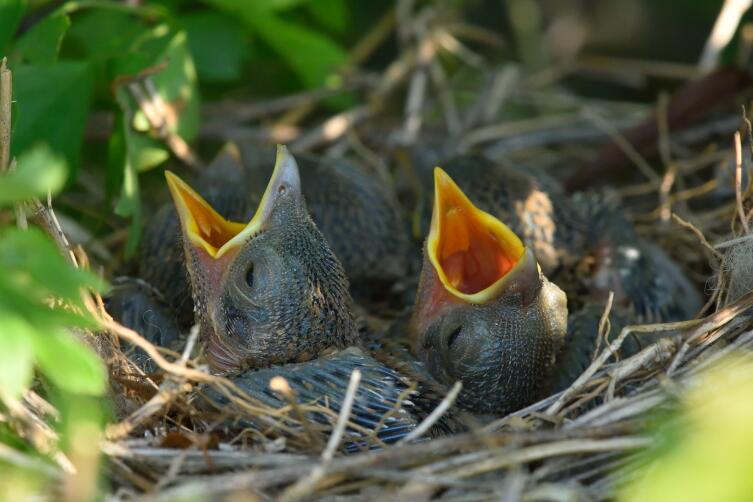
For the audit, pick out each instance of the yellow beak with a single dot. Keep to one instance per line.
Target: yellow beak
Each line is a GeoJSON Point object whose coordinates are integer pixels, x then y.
{"type": "Point", "coordinates": [206, 228]}
{"type": "Point", "coordinates": [472, 251]}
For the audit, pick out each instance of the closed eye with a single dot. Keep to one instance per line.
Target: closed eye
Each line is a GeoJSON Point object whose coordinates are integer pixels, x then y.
{"type": "Point", "coordinates": [454, 336]}
{"type": "Point", "coordinates": [250, 276]}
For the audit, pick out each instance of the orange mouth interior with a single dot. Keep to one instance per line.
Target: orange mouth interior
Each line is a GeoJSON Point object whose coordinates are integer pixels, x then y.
{"type": "Point", "coordinates": [470, 249]}
{"type": "Point", "coordinates": [204, 226]}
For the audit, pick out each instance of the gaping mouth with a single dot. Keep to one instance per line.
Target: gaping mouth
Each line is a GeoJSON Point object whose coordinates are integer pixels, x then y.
{"type": "Point", "coordinates": [206, 228]}
{"type": "Point", "coordinates": [471, 250]}
{"type": "Point", "coordinates": [203, 225]}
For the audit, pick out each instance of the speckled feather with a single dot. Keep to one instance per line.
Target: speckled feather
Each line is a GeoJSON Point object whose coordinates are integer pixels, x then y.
{"type": "Point", "coordinates": [324, 382]}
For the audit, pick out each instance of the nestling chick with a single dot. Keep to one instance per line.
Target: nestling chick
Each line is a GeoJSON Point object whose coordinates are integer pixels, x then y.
{"type": "Point", "coordinates": [485, 314]}
{"type": "Point", "coordinates": [269, 291]}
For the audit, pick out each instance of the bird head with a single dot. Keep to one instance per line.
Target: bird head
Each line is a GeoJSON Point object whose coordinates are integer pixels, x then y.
{"type": "Point", "coordinates": [269, 291]}
{"type": "Point", "coordinates": [485, 314]}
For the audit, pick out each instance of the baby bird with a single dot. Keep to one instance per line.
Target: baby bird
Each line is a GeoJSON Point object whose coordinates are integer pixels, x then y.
{"type": "Point", "coordinates": [272, 299]}
{"type": "Point", "coordinates": [485, 314]}
{"type": "Point", "coordinates": [354, 210]}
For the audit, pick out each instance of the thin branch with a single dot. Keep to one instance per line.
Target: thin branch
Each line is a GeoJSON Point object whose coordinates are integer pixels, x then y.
{"type": "Point", "coordinates": [6, 98]}
{"type": "Point", "coordinates": [306, 485]}
{"type": "Point", "coordinates": [435, 415]}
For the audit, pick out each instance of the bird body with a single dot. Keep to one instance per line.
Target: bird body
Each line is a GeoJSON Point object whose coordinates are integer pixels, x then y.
{"type": "Point", "coordinates": [500, 345]}
{"type": "Point", "coordinates": [271, 299]}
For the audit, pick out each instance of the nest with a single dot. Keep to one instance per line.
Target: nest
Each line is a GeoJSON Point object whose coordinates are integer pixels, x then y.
{"type": "Point", "coordinates": [582, 443]}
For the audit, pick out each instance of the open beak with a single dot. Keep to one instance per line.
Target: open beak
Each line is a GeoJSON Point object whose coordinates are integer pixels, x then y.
{"type": "Point", "coordinates": [472, 252]}
{"type": "Point", "coordinates": [205, 228]}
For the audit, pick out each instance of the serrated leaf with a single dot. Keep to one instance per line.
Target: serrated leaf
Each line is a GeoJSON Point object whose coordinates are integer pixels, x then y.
{"type": "Point", "coordinates": [17, 356]}
{"type": "Point", "coordinates": [11, 12]}
{"type": "Point", "coordinates": [52, 114]}
{"type": "Point", "coordinates": [41, 44]}
{"type": "Point", "coordinates": [69, 364]}
{"type": "Point", "coordinates": [38, 171]}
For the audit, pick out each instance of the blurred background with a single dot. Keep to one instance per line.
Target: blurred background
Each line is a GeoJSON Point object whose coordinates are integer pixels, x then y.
{"type": "Point", "coordinates": [107, 94]}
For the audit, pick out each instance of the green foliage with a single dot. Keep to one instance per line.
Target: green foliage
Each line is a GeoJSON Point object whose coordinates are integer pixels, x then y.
{"type": "Point", "coordinates": [52, 114]}
{"type": "Point", "coordinates": [705, 449]}
{"type": "Point", "coordinates": [218, 44]}
{"type": "Point", "coordinates": [38, 171]}
{"type": "Point", "coordinates": [41, 295]}
{"type": "Point", "coordinates": [41, 43]}
{"type": "Point", "coordinates": [11, 12]}
{"type": "Point", "coordinates": [85, 55]}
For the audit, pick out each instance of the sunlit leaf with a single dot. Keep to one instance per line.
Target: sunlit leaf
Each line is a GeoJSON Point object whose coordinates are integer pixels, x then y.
{"type": "Point", "coordinates": [30, 259]}
{"type": "Point", "coordinates": [69, 363]}
{"type": "Point", "coordinates": [38, 171]}
{"type": "Point", "coordinates": [146, 152]}
{"type": "Point", "coordinates": [41, 44]}
{"type": "Point", "coordinates": [17, 355]}
{"type": "Point", "coordinates": [708, 457]}
{"type": "Point", "coordinates": [52, 114]}
{"type": "Point", "coordinates": [33, 304]}
{"type": "Point", "coordinates": [176, 79]}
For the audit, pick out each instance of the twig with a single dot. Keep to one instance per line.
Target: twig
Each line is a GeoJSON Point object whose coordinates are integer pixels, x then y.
{"type": "Point", "coordinates": [655, 353]}
{"type": "Point", "coordinates": [435, 415]}
{"type": "Point", "coordinates": [605, 326]}
{"type": "Point", "coordinates": [732, 242]}
{"type": "Point", "coordinates": [305, 485]}
{"type": "Point", "coordinates": [707, 323]}
{"type": "Point", "coordinates": [162, 121]}
{"type": "Point", "coordinates": [724, 29]}
{"type": "Point", "coordinates": [583, 379]}
{"type": "Point", "coordinates": [699, 234]}
{"type": "Point", "coordinates": [624, 145]}
{"type": "Point", "coordinates": [280, 385]}
{"type": "Point", "coordinates": [738, 182]}
{"type": "Point", "coordinates": [6, 98]}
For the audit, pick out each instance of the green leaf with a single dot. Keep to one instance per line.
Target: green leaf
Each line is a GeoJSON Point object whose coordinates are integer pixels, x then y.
{"type": "Point", "coordinates": [17, 356]}
{"type": "Point", "coordinates": [332, 14]}
{"type": "Point", "coordinates": [104, 33]}
{"type": "Point", "coordinates": [53, 105]}
{"type": "Point", "coordinates": [69, 364]}
{"type": "Point", "coordinates": [312, 55]}
{"type": "Point", "coordinates": [121, 173]}
{"type": "Point", "coordinates": [217, 43]}
{"type": "Point", "coordinates": [176, 85]}
{"type": "Point", "coordinates": [145, 152]}
{"type": "Point", "coordinates": [175, 81]}
{"type": "Point", "coordinates": [41, 44]}
{"type": "Point", "coordinates": [11, 12]}
{"type": "Point", "coordinates": [30, 260]}
{"type": "Point", "coordinates": [38, 171]}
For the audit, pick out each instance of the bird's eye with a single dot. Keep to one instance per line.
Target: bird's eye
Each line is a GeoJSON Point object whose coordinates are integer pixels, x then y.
{"type": "Point", "coordinates": [453, 336]}
{"type": "Point", "coordinates": [250, 276]}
